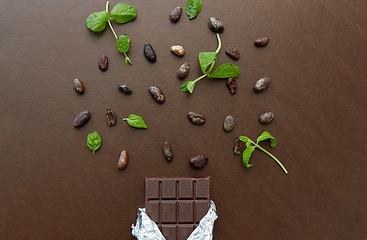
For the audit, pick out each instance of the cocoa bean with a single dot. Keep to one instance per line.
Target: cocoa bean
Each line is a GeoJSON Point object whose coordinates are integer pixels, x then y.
{"type": "Point", "coordinates": [78, 86]}
{"type": "Point", "coordinates": [232, 85]}
{"type": "Point", "coordinates": [196, 118]}
{"type": "Point", "coordinates": [81, 119]}
{"type": "Point", "coordinates": [261, 41]}
{"type": "Point", "coordinates": [228, 124]}
{"type": "Point", "coordinates": [261, 84]}
{"type": "Point", "coordinates": [267, 117]}
{"type": "Point", "coordinates": [176, 14]}
{"type": "Point", "coordinates": [111, 117]}
{"type": "Point", "coordinates": [103, 62]}
{"type": "Point", "coordinates": [167, 152]}
{"type": "Point", "coordinates": [123, 160]}
{"type": "Point", "coordinates": [178, 50]}
{"type": "Point", "coordinates": [123, 88]}
{"type": "Point", "coordinates": [149, 53]}
{"type": "Point", "coordinates": [198, 161]}
{"type": "Point", "coordinates": [215, 25]}
{"type": "Point", "coordinates": [183, 71]}
{"type": "Point", "coordinates": [237, 146]}
{"type": "Point", "coordinates": [233, 53]}
{"type": "Point", "coordinates": [157, 94]}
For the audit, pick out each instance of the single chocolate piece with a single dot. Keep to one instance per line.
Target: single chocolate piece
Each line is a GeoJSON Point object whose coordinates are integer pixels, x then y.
{"type": "Point", "coordinates": [177, 205]}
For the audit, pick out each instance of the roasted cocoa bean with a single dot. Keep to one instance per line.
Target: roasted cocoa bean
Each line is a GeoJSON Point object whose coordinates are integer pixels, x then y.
{"type": "Point", "coordinates": [123, 160]}
{"type": "Point", "coordinates": [215, 25]}
{"type": "Point", "coordinates": [228, 124]}
{"type": "Point", "coordinates": [123, 88]}
{"type": "Point", "coordinates": [261, 41]}
{"type": "Point", "coordinates": [178, 50]}
{"type": "Point", "coordinates": [196, 118]}
{"type": "Point", "coordinates": [111, 117]}
{"type": "Point", "coordinates": [176, 14]}
{"type": "Point", "coordinates": [167, 151]}
{"type": "Point", "coordinates": [237, 146]}
{"type": "Point", "coordinates": [78, 86]}
{"type": "Point", "coordinates": [262, 84]}
{"type": "Point", "coordinates": [267, 117]}
{"type": "Point", "coordinates": [149, 53]}
{"type": "Point", "coordinates": [157, 94]}
{"type": "Point", "coordinates": [233, 53]}
{"type": "Point", "coordinates": [103, 62]}
{"type": "Point", "coordinates": [198, 161]}
{"type": "Point", "coordinates": [232, 85]}
{"type": "Point", "coordinates": [183, 71]}
{"type": "Point", "coordinates": [81, 119]}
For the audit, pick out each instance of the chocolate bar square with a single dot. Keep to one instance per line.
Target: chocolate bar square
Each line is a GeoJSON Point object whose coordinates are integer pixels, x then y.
{"type": "Point", "coordinates": [177, 205]}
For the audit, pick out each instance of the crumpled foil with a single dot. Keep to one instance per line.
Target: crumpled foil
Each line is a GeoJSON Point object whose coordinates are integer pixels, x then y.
{"type": "Point", "coordinates": [146, 229]}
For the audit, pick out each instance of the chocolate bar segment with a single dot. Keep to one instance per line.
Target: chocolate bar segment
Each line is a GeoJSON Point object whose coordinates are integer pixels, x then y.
{"type": "Point", "coordinates": [177, 205]}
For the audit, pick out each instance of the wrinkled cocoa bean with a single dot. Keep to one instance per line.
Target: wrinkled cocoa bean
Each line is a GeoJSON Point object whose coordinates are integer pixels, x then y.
{"type": "Point", "coordinates": [176, 14]}
{"type": "Point", "coordinates": [78, 86]}
{"type": "Point", "coordinates": [103, 62]}
{"type": "Point", "coordinates": [215, 25]}
{"type": "Point", "coordinates": [261, 41]}
{"type": "Point", "coordinates": [123, 160]}
{"type": "Point", "coordinates": [178, 50]}
{"type": "Point", "coordinates": [149, 53]}
{"type": "Point", "coordinates": [183, 71]}
{"type": "Point", "coordinates": [123, 88]}
{"type": "Point", "coordinates": [111, 117]}
{"type": "Point", "coordinates": [157, 94]}
{"type": "Point", "coordinates": [262, 84]}
{"type": "Point", "coordinates": [81, 119]}
{"type": "Point", "coordinates": [196, 118]}
{"type": "Point", "coordinates": [237, 146]}
{"type": "Point", "coordinates": [233, 53]}
{"type": "Point", "coordinates": [167, 152]}
{"type": "Point", "coordinates": [232, 85]}
{"type": "Point", "coordinates": [228, 124]}
{"type": "Point", "coordinates": [267, 117]}
{"type": "Point", "coordinates": [198, 161]}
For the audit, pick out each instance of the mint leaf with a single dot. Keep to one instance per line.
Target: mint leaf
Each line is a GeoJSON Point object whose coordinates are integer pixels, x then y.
{"type": "Point", "coordinates": [135, 121]}
{"type": "Point", "coordinates": [266, 135]}
{"type": "Point", "coordinates": [190, 86]}
{"type": "Point", "coordinates": [205, 59]}
{"type": "Point", "coordinates": [123, 43]}
{"type": "Point", "coordinates": [244, 139]}
{"type": "Point", "coordinates": [97, 21]}
{"type": "Point", "coordinates": [193, 8]}
{"type": "Point", "coordinates": [226, 70]}
{"type": "Point", "coordinates": [246, 156]}
{"type": "Point", "coordinates": [184, 88]}
{"type": "Point", "coordinates": [94, 141]}
{"type": "Point", "coordinates": [123, 13]}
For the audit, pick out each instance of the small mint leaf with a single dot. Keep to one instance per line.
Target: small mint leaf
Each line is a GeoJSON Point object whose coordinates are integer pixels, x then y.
{"type": "Point", "coordinates": [266, 135]}
{"type": "Point", "coordinates": [244, 139]}
{"type": "Point", "coordinates": [246, 156]}
{"type": "Point", "coordinates": [226, 70]}
{"type": "Point", "coordinates": [184, 88]}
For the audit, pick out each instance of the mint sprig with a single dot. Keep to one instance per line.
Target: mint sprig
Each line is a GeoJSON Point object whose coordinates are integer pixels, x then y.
{"type": "Point", "coordinates": [121, 13]}
{"type": "Point", "coordinates": [207, 61]}
{"type": "Point", "coordinates": [250, 147]}
{"type": "Point", "coordinates": [135, 121]}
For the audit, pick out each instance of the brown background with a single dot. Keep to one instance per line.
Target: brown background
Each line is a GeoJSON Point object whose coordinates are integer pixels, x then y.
{"type": "Point", "coordinates": [53, 187]}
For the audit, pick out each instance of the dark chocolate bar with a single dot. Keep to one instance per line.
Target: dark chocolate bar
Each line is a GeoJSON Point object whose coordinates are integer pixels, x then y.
{"type": "Point", "coordinates": [177, 205]}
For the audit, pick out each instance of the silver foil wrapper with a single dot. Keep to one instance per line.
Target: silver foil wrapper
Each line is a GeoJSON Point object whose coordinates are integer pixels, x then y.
{"type": "Point", "coordinates": [146, 229]}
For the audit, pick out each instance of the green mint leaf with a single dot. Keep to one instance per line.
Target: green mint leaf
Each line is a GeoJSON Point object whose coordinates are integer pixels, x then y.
{"type": "Point", "coordinates": [266, 135]}
{"type": "Point", "coordinates": [184, 88]}
{"type": "Point", "coordinates": [190, 86]}
{"type": "Point", "coordinates": [97, 21]}
{"type": "Point", "coordinates": [244, 139]}
{"type": "Point", "coordinates": [193, 8]}
{"type": "Point", "coordinates": [135, 121]}
{"type": "Point", "coordinates": [93, 141]}
{"type": "Point", "coordinates": [205, 59]}
{"type": "Point", "coordinates": [123, 43]}
{"type": "Point", "coordinates": [246, 156]}
{"type": "Point", "coordinates": [226, 70]}
{"type": "Point", "coordinates": [123, 13]}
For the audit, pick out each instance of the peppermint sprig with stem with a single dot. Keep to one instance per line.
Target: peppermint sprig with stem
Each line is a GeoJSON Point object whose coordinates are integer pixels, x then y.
{"type": "Point", "coordinates": [121, 13]}
{"type": "Point", "coordinates": [207, 61]}
{"type": "Point", "coordinates": [251, 145]}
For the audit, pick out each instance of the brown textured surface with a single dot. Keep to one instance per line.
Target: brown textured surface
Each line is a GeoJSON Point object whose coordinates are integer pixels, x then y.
{"type": "Point", "coordinates": [53, 187]}
{"type": "Point", "coordinates": [177, 204]}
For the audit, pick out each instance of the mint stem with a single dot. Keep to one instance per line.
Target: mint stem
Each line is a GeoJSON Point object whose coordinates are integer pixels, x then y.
{"type": "Point", "coordinates": [271, 155]}
{"type": "Point", "coordinates": [219, 44]}
{"type": "Point", "coordinates": [200, 78]}
{"type": "Point", "coordinates": [109, 22]}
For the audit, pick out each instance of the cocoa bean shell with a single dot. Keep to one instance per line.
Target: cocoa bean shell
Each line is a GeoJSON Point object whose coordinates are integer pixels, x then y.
{"type": "Point", "coordinates": [237, 146]}
{"type": "Point", "coordinates": [111, 117]}
{"type": "Point", "coordinates": [232, 85]}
